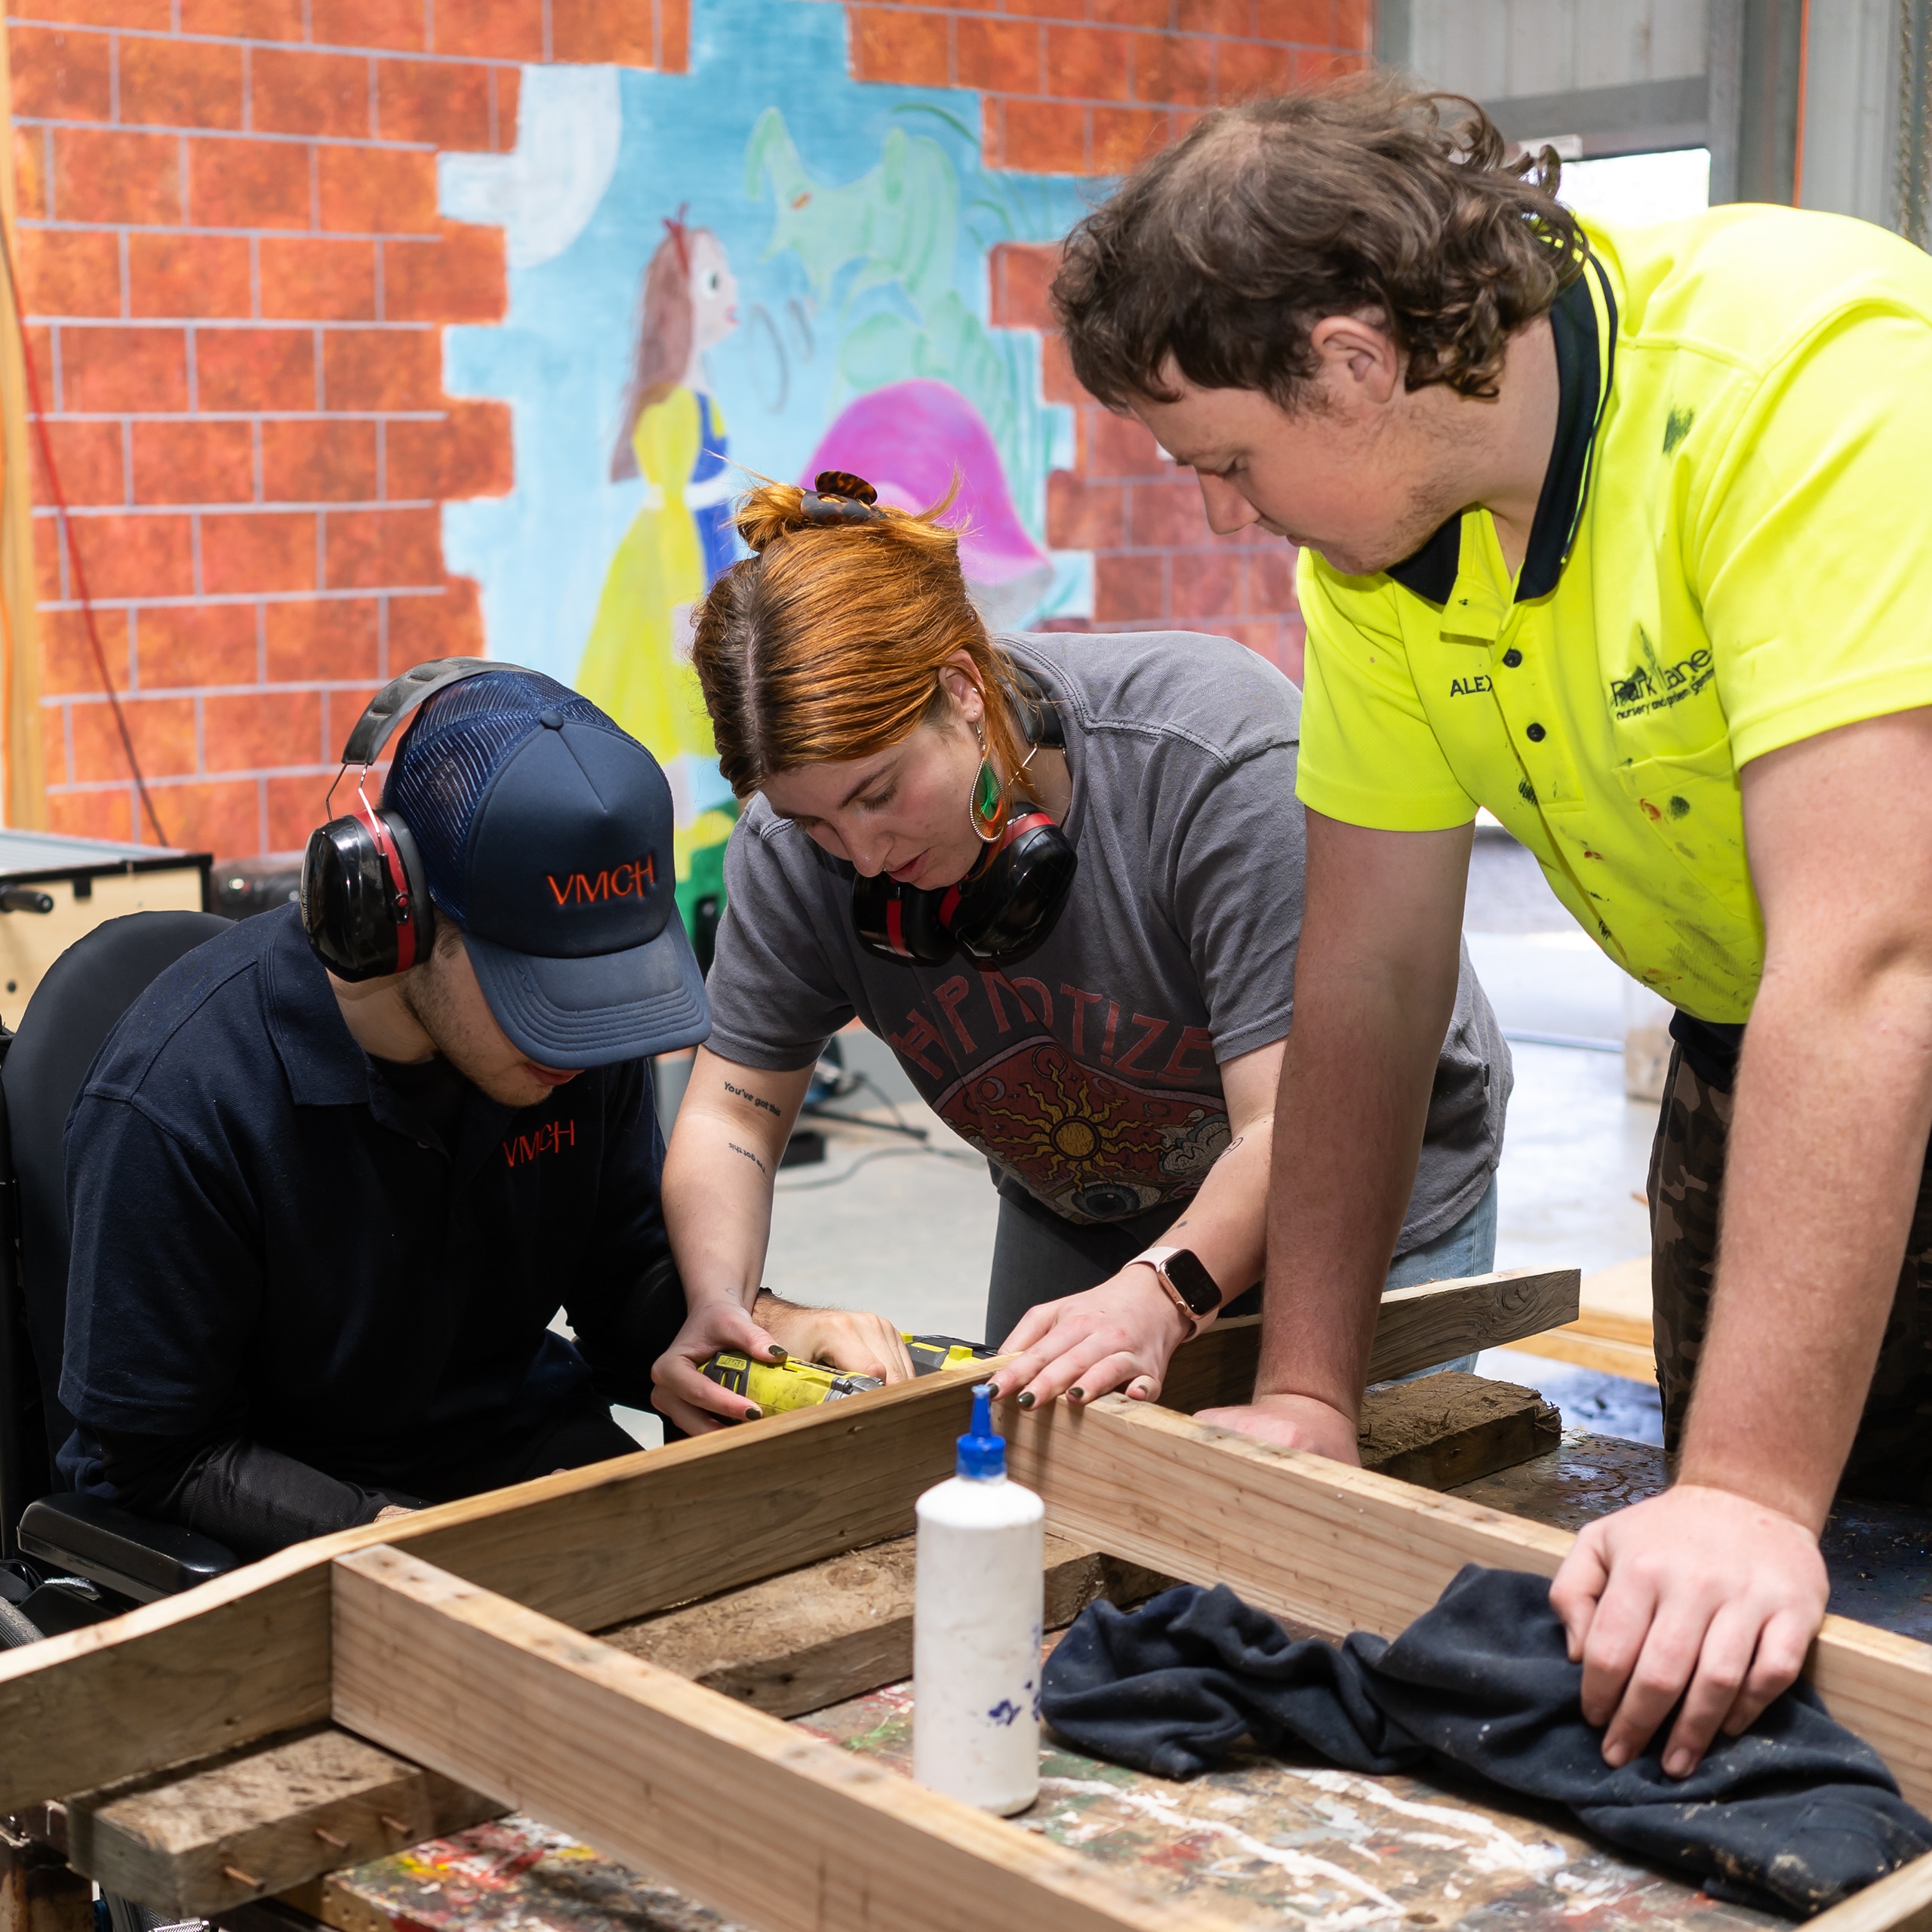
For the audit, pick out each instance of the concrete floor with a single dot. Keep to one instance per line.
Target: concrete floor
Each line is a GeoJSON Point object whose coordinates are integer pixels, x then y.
{"type": "Point", "coordinates": [906, 1226]}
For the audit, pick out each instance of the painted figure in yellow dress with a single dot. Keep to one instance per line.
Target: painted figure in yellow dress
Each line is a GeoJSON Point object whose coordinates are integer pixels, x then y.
{"type": "Point", "coordinates": [637, 663]}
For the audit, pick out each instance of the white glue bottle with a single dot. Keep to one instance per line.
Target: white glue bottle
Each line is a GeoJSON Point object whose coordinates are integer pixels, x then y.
{"type": "Point", "coordinates": [978, 1600]}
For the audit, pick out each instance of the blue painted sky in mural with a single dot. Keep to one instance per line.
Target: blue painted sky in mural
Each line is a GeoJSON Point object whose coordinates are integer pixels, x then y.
{"type": "Point", "coordinates": [603, 158]}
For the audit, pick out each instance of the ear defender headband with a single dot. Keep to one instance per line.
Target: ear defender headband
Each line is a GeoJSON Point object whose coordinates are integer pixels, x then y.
{"type": "Point", "coordinates": [1004, 908]}
{"type": "Point", "coordinates": [365, 899]}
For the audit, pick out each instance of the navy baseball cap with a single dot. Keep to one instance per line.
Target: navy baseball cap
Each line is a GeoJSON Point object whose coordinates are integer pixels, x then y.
{"type": "Point", "coordinates": [546, 833]}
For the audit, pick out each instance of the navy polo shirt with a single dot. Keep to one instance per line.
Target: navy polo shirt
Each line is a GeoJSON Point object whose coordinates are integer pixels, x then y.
{"type": "Point", "coordinates": [264, 1227]}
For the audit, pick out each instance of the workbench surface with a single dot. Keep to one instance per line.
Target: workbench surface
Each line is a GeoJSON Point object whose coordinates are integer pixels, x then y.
{"type": "Point", "coordinates": [1263, 1842]}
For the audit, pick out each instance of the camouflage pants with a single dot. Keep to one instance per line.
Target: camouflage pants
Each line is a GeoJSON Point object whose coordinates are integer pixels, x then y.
{"type": "Point", "coordinates": [1891, 1458]}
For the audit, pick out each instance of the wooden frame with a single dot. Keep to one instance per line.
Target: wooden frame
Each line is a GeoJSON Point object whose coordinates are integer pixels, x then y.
{"type": "Point", "coordinates": [457, 1638]}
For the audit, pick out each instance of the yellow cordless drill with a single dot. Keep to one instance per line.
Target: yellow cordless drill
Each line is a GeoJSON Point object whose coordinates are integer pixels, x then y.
{"type": "Point", "coordinates": [777, 1386]}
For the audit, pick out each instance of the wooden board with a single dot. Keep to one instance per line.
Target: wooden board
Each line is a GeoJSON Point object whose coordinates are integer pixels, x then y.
{"type": "Point", "coordinates": [1341, 1549]}
{"type": "Point", "coordinates": [786, 1832]}
{"type": "Point", "coordinates": [1451, 1427]}
{"type": "Point", "coordinates": [259, 1822]}
{"type": "Point", "coordinates": [816, 1636]}
{"type": "Point", "coordinates": [246, 1656]}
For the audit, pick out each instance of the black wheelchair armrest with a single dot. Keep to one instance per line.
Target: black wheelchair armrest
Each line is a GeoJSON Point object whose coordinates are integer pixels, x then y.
{"type": "Point", "coordinates": [85, 1536]}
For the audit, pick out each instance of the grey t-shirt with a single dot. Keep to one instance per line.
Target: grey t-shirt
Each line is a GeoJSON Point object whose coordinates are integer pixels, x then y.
{"type": "Point", "coordinates": [1088, 1073]}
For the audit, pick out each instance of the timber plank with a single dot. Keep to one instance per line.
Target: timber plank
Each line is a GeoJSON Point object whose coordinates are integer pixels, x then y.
{"type": "Point", "coordinates": [666, 1776]}
{"type": "Point", "coordinates": [261, 1821]}
{"type": "Point", "coordinates": [1454, 1427]}
{"type": "Point", "coordinates": [1341, 1549]}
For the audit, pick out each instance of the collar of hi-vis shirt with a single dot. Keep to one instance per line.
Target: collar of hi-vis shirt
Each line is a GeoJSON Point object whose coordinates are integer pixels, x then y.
{"type": "Point", "coordinates": [326, 1068]}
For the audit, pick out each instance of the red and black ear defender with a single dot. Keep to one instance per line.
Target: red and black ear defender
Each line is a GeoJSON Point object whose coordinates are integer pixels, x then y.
{"type": "Point", "coordinates": [1004, 908]}
{"type": "Point", "coordinates": [365, 900]}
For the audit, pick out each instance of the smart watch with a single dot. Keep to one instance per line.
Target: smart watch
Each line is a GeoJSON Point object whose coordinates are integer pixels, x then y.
{"type": "Point", "coordinates": [1188, 1285]}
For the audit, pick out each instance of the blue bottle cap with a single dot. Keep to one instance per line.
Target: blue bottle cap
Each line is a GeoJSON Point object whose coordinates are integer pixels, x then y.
{"type": "Point", "coordinates": [982, 1453]}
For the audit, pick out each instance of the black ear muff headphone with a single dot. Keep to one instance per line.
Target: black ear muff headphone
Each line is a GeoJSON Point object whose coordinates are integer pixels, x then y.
{"type": "Point", "coordinates": [1005, 907]}
{"type": "Point", "coordinates": [365, 900]}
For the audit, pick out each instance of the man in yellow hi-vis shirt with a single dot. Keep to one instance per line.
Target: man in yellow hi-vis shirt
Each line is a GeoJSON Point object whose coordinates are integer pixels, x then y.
{"type": "Point", "coordinates": [1626, 534]}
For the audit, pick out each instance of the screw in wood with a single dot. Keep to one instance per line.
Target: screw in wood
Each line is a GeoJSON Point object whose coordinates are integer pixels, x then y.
{"type": "Point", "coordinates": [329, 1838]}
{"type": "Point", "coordinates": [395, 1824]}
{"type": "Point", "coordinates": [241, 1878]}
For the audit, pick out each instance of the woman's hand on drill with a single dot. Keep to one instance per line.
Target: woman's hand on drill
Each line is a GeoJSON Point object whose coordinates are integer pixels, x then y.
{"type": "Point", "coordinates": [1118, 1336]}
{"type": "Point", "coordinates": [690, 1398]}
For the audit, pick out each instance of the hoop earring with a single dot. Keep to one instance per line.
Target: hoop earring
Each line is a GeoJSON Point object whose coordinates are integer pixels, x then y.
{"type": "Point", "coordinates": [987, 806]}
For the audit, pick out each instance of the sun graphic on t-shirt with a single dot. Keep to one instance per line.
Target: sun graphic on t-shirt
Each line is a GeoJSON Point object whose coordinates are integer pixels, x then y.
{"type": "Point", "coordinates": [1065, 1118]}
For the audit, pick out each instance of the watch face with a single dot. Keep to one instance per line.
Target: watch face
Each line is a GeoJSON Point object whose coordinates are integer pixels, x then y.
{"type": "Point", "coordinates": [1197, 1286]}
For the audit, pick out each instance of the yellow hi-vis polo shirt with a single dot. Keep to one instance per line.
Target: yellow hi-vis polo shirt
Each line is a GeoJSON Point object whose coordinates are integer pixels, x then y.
{"type": "Point", "coordinates": [1732, 552]}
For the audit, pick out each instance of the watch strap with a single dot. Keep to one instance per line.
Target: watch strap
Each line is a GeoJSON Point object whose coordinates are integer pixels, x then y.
{"type": "Point", "coordinates": [1196, 1315]}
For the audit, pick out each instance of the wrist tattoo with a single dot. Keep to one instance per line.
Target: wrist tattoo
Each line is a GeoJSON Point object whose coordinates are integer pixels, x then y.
{"type": "Point", "coordinates": [747, 1154]}
{"type": "Point", "coordinates": [757, 1100]}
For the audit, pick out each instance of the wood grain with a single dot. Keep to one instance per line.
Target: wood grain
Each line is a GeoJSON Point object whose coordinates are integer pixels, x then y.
{"type": "Point", "coordinates": [747, 1813]}
{"type": "Point", "coordinates": [261, 1821]}
{"type": "Point", "coordinates": [1342, 1549]}
{"type": "Point", "coordinates": [1452, 1428]}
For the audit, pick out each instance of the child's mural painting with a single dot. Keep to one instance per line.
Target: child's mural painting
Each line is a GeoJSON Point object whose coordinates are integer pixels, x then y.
{"type": "Point", "coordinates": [760, 251]}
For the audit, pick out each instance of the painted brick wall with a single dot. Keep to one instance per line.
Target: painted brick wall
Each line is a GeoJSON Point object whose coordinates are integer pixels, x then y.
{"type": "Point", "coordinates": [236, 282]}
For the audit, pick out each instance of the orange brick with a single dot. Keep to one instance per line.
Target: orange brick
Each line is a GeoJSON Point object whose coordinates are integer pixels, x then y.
{"type": "Point", "coordinates": [674, 35]}
{"type": "Point", "coordinates": [1271, 579]}
{"type": "Point", "coordinates": [1251, 71]}
{"type": "Point", "coordinates": [1355, 25]}
{"type": "Point", "coordinates": [1087, 63]}
{"type": "Point", "coordinates": [1044, 137]}
{"type": "Point", "coordinates": [224, 818]}
{"type": "Point", "coordinates": [1003, 56]}
{"type": "Point", "coordinates": [1314, 65]}
{"type": "Point", "coordinates": [248, 184]}
{"type": "Point", "coordinates": [369, 23]}
{"type": "Point", "coordinates": [899, 43]}
{"type": "Point", "coordinates": [1058, 383]}
{"type": "Point", "coordinates": [1048, 10]}
{"type": "Point", "coordinates": [30, 174]}
{"type": "Point", "coordinates": [1120, 446]}
{"type": "Point", "coordinates": [307, 280]}
{"type": "Point", "coordinates": [162, 729]}
{"type": "Point", "coordinates": [1205, 583]}
{"type": "Point", "coordinates": [181, 84]}
{"type": "Point", "coordinates": [1162, 515]}
{"type": "Point", "coordinates": [135, 556]}
{"type": "Point", "coordinates": [506, 89]}
{"type": "Point", "coordinates": [436, 101]}
{"type": "Point", "coordinates": [296, 807]}
{"type": "Point", "coordinates": [1129, 587]}
{"type": "Point", "coordinates": [1019, 274]}
{"type": "Point", "coordinates": [188, 274]}
{"type": "Point", "coordinates": [104, 814]}
{"type": "Point", "coordinates": [263, 730]}
{"type": "Point", "coordinates": [244, 368]}
{"type": "Point", "coordinates": [325, 637]}
{"type": "Point", "coordinates": [1124, 136]}
{"type": "Point", "coordinates": [490, 29]}
{"type": "Point", "coordinates": [593, 30]}
{"type": "Point", "coordinates": [246, 20]}
{"type": "Point", "coordinates": [468, 455]}
{"type": "Point", "coordinates": [1083, 516]}
{"type": "Point", "coordinates": [103, 369]}
{"type": "Point", "coordinates": [87, 455]}
{"type": "Point", "coordinates": [152, 15]}
{"type": "Point", "coordinates": [67, 662]}
{"type": "Point", "coordinates": [194, 462]}
{"type": "Point", "coordinates": [110, 176]}
{"type": "Point", "coordinates": [315, 462]}
{"type": "Point", "coordinates": [378, 191]}
{"type": "Point", "coordinates": [377, 549]}
{"type": "Point", "coordinates": [180, 647]}
{"type": "Point", "coordinates": [448, 625]}
{"type": "Point", "coordinates": [1135, 13]}
{"type": "Point", "coordinates": [460, 278]}
{"type": "Point", "coordinates": [396, 368]}
{"type": "Point", "coordinates": [48, 587]}
{"type": "Point", "coordinates": [299, 92]}
{"type": "Point", "coordinates": [70, 272]}
{"type": "Point", "coordinates": [1310, 23]}
{"type": "Point", "coordinates": [59, 76]}
{"type": "Point", "coordinates": [265, 550]}
{"type": "Point", "coordinates": [1222, 16]}
{"type": "Point", "coordinates": [1175, 67]}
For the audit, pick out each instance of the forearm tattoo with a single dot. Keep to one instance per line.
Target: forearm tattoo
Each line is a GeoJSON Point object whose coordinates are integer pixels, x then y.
{"type": "Point", "coordinates": [747, 1154]}
{"type": "Point", "coordinates": [757, 1100]}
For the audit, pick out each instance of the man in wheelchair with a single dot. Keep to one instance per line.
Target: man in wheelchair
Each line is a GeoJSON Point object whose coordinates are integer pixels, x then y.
{"type": "Point", "coordinates": [332, 1176]}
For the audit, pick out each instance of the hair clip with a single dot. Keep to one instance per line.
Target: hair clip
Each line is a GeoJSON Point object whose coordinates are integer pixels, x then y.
{"type": "Point", "coordinates": [838, 496]}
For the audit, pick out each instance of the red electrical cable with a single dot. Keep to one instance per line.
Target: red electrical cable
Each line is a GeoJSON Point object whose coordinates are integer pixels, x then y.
{"type": "Point", "coordinates": [67, 537]}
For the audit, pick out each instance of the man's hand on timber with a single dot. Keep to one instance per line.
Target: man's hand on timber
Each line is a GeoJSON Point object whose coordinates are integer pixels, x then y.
{"type": "Point", "coordinates": [1296, 1422]}
{"type": "Point", "coordinates": [1119, 1335]}
{"type": "Point", "coordinates": [691, 1400]}
{"type": "Point", "coordinates": [1697, 1588]}
{"type": "Point", "coordinates": [848, 1339]}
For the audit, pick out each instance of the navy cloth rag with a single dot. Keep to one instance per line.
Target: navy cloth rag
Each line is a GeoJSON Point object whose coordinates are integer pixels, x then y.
{"type": "Point", "coordinates": [1795, 1815]}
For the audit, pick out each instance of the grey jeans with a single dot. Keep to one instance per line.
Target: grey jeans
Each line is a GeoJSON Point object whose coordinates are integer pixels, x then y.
{"type": "Point", "coordinates": [1038, 1257]}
